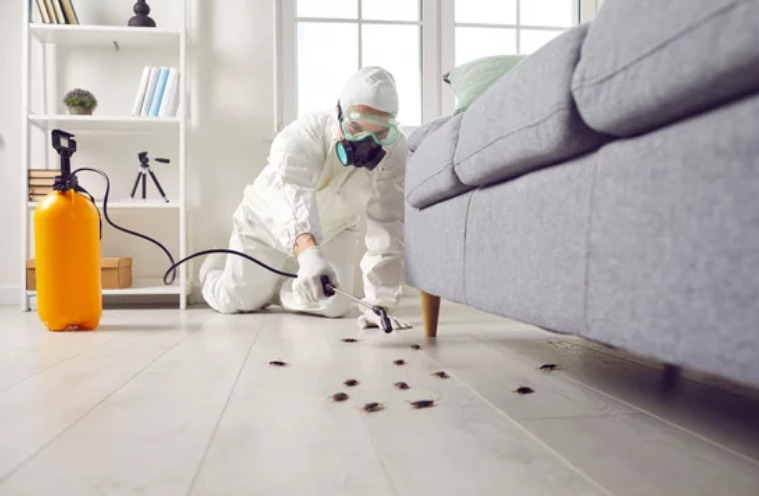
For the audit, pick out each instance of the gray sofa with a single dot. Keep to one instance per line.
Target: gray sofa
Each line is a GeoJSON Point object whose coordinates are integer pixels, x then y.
{"type": "Point", "coordinates": [607, 186]}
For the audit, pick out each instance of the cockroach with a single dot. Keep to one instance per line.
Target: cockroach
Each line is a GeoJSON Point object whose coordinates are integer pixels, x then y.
{"type": "Point", "coordinates": [523, 390]}
{"type": "Point", "coordinates": [400, 362]}
{"type": "Point", "coordinates": [549, 366]}
{"type": "Point", "coordinates": [419, 404]}
{"type": "Point", "coordinates": [351, 382]}
{"type": "Point", "coordinates": [278, 363]}
{"type": "Point", "coordinates": [415, 347]}
{"type": "Point", "coordinates": [442, 374]}
{"type": "Point", "coordinates": [402, 385]}
{"type": "Point", "coordinates": [373, 407]}
{"type": "Point", "coordinates": [349, 340]}
{"type": "Point", "coordinates": [340, 397]}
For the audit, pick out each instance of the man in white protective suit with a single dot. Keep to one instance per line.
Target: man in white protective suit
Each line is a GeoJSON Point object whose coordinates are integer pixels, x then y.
{"type": "Point", "coordinates": [303, 212]}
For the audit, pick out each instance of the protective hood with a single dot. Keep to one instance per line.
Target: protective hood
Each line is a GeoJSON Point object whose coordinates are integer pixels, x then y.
{"type": "Point", "coordinates": [373, 87]}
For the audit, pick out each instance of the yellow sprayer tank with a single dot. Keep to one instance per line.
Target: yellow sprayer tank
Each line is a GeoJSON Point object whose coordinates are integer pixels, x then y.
{"type": "Point", "coordinates": [67, 252]}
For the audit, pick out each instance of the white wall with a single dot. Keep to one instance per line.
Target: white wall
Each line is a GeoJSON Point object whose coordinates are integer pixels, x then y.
{"type": "Point", "coordinates": [231, 87]}
{"type": "Point", "coordinates": [10, 154]}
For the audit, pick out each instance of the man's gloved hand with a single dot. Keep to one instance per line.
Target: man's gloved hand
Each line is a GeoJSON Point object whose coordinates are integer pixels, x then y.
{"type": "Point", "coordinates": [308, 286]}
{"type": "Point", "coordinates": [371, 319]}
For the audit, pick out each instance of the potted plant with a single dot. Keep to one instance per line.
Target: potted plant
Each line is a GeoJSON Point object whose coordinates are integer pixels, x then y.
{"type": "Point", "coordinates": [80, 102]}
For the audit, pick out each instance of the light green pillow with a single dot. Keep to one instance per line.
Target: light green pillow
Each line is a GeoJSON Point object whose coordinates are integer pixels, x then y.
{"type": "Point", "coordinates": [470, 80]}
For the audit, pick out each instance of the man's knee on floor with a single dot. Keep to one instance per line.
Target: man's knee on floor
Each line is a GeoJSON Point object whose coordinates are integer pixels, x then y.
{"type": "Point", "coordinates": [229, 300]}
{"type": "Point", "coordinates": [337, 307]}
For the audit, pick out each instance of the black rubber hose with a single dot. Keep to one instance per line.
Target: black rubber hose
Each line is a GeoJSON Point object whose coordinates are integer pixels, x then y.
{"type": "Point", "coordinates": [171, 273]}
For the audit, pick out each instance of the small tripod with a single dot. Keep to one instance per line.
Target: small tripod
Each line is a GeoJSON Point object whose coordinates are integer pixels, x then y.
{"type": "Point", "coordinates": [142, 174]}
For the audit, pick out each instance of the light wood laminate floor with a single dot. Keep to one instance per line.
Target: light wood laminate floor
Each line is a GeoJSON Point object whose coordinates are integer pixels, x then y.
{"type": "Point", "coordinates": [164, 402]}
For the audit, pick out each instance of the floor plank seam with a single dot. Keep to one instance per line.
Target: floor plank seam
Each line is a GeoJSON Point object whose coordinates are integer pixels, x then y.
{"type": "Point", "coordinates": [638, 409]}
{"type": "Point", "coordinates": [524, 429]}
{"type": "Point", "coordinates": [701, 437]}
{"type": "Point", "coordinates": [212, 437]}
{"type": "Point", "coordinates": [65, 360]}
{"type": "Point", "coordinates": [363, 420]}
{"type": "Point", "coordinates": [738, 390]}
{"type": "Point", "coordinates": [685, 375]}
{"type": "Point", "coordinates": [86, 350]}
{"type": "Point", "coordinates": [576, 417]}
{"type": "Point", "coordinates": [42, 448]}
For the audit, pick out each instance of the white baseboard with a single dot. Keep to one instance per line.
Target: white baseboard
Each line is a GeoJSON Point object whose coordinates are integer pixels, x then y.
{"type": "Point", "coordinates": [9, 295]}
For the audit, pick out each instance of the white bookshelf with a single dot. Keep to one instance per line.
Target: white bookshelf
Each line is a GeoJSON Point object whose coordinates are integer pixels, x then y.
{"type": "Point", "coordinates": [112, 38]}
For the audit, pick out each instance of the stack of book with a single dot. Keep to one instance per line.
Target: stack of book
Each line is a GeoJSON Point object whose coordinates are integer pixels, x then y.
{"type": "Point", "coordinates": [41, 183]}
{"type": "Point", "coordinates": [57, 11]}
{"type": "Point", "coordinates": [158, 93]}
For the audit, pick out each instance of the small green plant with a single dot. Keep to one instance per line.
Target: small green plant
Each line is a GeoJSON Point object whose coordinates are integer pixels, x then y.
{"type": "Point", "coordinates": [80, 99]}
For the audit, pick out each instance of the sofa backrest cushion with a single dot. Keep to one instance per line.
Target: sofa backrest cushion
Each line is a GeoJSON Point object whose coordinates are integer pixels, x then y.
{"type": "Point", "coordinates": [430, 177]}
{"type": "Point", "coordinates": [647, 63]}
{"type": "Point", "coordinates": [527, 119]}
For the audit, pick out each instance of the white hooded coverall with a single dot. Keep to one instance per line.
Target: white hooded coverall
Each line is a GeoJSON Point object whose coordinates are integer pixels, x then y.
{"type": "Point", "coordinates": [305, 189]}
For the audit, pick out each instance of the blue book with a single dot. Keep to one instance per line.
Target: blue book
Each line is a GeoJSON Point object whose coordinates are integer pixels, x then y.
{"type": "Point", "coordinates": [160, 86]}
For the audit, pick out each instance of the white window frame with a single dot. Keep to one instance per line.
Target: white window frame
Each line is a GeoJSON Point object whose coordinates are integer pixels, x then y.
{"type": "Point", "coordinates": [437, 44]}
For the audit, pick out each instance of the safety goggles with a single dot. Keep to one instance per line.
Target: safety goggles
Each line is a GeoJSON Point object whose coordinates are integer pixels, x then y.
{"type": "Point", "coordinates": [358, 124]}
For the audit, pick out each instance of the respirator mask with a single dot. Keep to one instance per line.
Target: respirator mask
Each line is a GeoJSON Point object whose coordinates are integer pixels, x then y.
{"type": "Point", "coordinates": [365, 133]}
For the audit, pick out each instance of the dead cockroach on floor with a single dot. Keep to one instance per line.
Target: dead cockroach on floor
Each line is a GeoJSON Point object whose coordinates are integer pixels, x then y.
{"type": "Point", "coordinates": [400, 362]}
{"type": "Point", "coordinates": [549, 366]}
{"type": "Point", "coordinates": [419, 404]}
{"type": "Point", "coordinates": [415, 347]}
{"type": "Point", "coordinates": [349, 340]}
{"type": "Point", "coordinates": [523, 390]}
{"type": "Point", "coordinates": [442, 374]}
{"type": "Point", "coordinates": [373, 407]}
{"type": "Point", "coordinates": [351, 382]}
{"type": "Point", "coordinates": [402, 385]}
{"type": "Point", "coordinates": [278, 363]}
{"type": "Point", "coordinates": [340, 397]}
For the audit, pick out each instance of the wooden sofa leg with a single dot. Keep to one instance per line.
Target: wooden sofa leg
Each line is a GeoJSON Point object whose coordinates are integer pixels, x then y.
{"type": "Point", "coordinates": [430, 313]}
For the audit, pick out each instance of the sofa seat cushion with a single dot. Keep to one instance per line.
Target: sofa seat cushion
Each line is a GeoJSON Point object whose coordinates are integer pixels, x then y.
{"type": "Point", "coordinates": [674, 245]}
{"type": "Point", "coordinates": [430, 176]}
{"type": "Point", "coordinates": [434, 247]}
{"type": "Point", "coordinates": [527, 119]}
{"type": "Point", "coordinates": [647, 63]}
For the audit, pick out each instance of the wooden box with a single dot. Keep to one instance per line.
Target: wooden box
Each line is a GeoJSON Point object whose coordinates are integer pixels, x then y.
{"type": "Point", "coordinates": [31, 279]}
{"type": "Point", "coordinates": [115, 273]}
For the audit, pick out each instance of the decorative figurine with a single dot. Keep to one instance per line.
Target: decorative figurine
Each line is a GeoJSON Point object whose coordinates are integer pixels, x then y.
{"type": "Point", "coordinates": [141, 18]}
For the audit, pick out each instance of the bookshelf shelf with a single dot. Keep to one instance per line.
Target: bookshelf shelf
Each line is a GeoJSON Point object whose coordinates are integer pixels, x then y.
{"type": "Point", "coordinates": [99, 123]}
{"type": "Point", "coordinates": [105, 36]}
{"type": "Point", "coordinates": [141, 287]}
{"type": "Point", "coordinates": [41, 75]}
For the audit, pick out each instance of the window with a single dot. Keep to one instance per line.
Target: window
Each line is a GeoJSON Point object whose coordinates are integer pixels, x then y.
{"type": "Point", "coordinates": [337, 37]}
{"type": "Point", "coordinates": [496, 27]}
{"type": "Point", "coordinates": [322, 42]}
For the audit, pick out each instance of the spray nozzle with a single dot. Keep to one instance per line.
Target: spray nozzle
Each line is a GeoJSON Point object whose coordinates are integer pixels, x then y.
{"type": "Point", "coordinates": [65, 181]}
{"type": "Point", "coordinates": [69, 148]}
